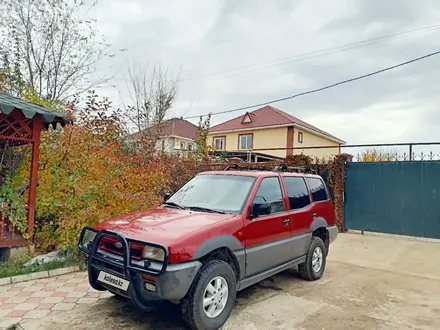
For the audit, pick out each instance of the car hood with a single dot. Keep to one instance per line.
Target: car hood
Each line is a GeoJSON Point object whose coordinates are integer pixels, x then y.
{"type": "Point", "coordinates": [162, 225]}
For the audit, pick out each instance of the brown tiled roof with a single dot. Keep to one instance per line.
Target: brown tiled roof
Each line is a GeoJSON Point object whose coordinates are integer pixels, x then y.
{"type": "Point", "coordinates": [266, 116]}
{"type": "Point", "coordinates": [177, 127]}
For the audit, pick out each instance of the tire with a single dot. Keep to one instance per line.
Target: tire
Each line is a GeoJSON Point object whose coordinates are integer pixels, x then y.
{"type": "Point", "coordinates": [306, 269]}
{"type": "Point", "coordinates": [193, 310]}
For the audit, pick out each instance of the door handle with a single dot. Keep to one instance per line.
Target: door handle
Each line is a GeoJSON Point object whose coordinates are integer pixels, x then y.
{"type": "Point", "coordinates": [314, 214]}
{"type": "Point", "coordinates": [286, 221]}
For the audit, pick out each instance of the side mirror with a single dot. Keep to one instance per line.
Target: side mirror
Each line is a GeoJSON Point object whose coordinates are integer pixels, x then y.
{"type": "Point", "coordinates": [259, 209]}
{"type": "Point", "coordinates": [166, 197]}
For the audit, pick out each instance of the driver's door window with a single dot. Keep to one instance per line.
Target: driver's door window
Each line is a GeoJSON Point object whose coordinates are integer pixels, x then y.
{"type": "Point", "coordinates": [270, 192]}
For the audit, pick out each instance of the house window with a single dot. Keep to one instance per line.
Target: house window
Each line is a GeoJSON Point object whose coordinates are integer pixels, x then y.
{"type": "Point", "coordinates": [245, 142]}
{"type": "Point", "coordinates": [182, 145]}
{"type": "Point", "coordinates": [190, 147]}
{"type": "Point", "coordinates": [220, 142]}
{"type": "Point", "coordinates": [300, 137]}
{"type": "Point", "coordinates": [163, 145]}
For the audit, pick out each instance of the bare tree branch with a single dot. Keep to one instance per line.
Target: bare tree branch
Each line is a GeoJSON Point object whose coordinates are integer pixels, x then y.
{"type": "Point", "coordinates": [60, 47]}
{"type": "Point", "coordinates": [153, 91]}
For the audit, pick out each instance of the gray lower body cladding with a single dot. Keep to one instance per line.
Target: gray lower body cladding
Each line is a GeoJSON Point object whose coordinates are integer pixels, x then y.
{"type": "Point", "coordinates": [265, 260]}
{"type": "Point", "coordinates": [332, 233]}
{"type": "Point", "coordinates": [172, 284]}
{"type": "Point", "coordinates": [255, 263]}
{"type": "Point", "coordinates": [266, 256]}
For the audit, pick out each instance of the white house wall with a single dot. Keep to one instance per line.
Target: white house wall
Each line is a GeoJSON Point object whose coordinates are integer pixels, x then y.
{"type": "Point", "coordinates": [173, 144]}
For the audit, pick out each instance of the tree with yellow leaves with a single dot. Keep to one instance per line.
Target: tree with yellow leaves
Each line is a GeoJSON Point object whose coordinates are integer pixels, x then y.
{"type": "Point", "coordinates": [378, 155]}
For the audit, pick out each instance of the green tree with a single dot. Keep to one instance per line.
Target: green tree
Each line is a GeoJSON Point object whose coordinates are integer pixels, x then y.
{"type": "Point", "coordinates": [202, 145]}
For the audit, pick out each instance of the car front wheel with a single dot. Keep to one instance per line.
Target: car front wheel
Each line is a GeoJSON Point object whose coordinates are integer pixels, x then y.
{"type": "Point", "coordinates": [211, 297]}
{"type": "Point", "coordinates": [313, 268]}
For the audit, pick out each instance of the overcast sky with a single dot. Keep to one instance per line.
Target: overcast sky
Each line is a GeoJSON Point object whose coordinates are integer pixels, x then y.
{"type": "Point", "coordinates": [207, 37]}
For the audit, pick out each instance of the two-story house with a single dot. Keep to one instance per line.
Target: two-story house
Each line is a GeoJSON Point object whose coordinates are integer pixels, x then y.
{"type": "Point", "coordinates": [174, 135]}
{"type": "Point", "coordinates": [270, 128]}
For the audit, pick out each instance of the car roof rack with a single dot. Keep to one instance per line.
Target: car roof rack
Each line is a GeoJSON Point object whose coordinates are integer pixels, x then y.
{"type": "Point", "coordinates": [270, 167]}
{"type": "Point", "coordinates": [249, 167]}
{"type": "Point", "coordinates": [295, 169]}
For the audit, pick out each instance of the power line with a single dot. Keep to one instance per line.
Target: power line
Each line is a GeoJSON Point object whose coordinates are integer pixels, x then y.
{"type": "Point", "coordinates": [312, 54]}
{"type": "Point", "coordinates": [304, 56]}
{"type": "Point", "coordinates": [319, 89]}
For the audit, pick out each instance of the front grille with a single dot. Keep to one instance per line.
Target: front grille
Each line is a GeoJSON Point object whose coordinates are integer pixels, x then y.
{"type": "Point", "coordinates": [110, 244]}
{"type": "Point", "coordinates": [109, 266]}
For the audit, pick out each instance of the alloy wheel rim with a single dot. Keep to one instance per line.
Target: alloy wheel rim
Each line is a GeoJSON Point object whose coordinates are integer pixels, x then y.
{"type": "Point", "coordinates": [215, 297]}
{"type": "Point", "coordinates": [317, 259]}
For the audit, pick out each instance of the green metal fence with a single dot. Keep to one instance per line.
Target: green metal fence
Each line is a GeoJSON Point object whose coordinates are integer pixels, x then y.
{"type": "Point", "coordinates": [394, 197]}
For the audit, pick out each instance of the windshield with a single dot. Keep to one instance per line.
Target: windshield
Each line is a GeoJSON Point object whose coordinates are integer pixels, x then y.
{"type": "Point", "coordinates": [225, 193]}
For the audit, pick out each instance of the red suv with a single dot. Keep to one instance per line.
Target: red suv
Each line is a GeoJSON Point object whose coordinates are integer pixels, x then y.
{"type": "Point", "coordinates": [220, 233]}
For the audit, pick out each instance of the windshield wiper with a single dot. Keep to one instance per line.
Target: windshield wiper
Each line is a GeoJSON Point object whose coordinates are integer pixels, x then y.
{"type": "Point", "coordinates": [172, 204]}
{"type": "Point", "coordinates": [204, 209]}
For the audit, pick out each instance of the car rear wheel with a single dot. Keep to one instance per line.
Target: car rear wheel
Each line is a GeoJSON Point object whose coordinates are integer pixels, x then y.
{"type": "Point", "coordinates": [211, 297]}
{"type": "Point", "coordinates": [313, 268]}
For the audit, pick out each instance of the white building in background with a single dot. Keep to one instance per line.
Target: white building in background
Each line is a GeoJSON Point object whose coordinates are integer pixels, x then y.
{"type": "Point", "coordinates": [175, 135]}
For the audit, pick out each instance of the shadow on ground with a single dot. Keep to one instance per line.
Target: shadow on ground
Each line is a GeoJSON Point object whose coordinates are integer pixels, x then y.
{"type": "Point", "coordinates": [369, 283]}
{"type": "Point", "coordinates": [117, 312]}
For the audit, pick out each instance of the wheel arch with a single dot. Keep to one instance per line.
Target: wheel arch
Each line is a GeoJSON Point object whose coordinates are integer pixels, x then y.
{"type": "Point", "coordinates": [319, 229]}
{"type": "Point", "coordinates": [224, 247]}
{"type": "Point", "coordinates": [317, 223]}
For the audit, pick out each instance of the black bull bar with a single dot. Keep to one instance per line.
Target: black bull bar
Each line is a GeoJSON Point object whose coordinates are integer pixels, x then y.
{"type": "Point", "coordinates": [129, 267]}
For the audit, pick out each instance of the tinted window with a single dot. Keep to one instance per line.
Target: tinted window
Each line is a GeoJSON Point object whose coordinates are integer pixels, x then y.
{"type": "Point", "coordinates": [270, 192]}
{"type": "Point", "coordinates": [226, 193]}
{"type": "Point", "coordinates": [297, 192]}
{"type": "Point", "coordinates": [318, 189]}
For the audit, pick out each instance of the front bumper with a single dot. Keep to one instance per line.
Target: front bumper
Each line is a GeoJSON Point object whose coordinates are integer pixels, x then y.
{"type": "Point", "coordinates": [149, 280]}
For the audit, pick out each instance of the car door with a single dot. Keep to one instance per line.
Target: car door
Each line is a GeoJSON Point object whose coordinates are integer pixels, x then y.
{"type": "Point", "coordinates": [300, 213]}
{"type": "Point", "coordinates": [321, 200]}
{"type": "Point", "coordinates": [268, 237]}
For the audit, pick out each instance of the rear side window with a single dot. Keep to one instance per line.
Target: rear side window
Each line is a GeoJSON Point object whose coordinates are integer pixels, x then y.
{"type": "Point", "coordinates": [270, 192]}
{"type": "Point", "coordinates": [297, 192]}
{"type": "Point", "coordinates": [317, 187]}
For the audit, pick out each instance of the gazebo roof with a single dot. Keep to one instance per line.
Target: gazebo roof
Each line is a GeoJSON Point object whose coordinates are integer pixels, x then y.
{"type": "Point", "coordinates": [8, 103]}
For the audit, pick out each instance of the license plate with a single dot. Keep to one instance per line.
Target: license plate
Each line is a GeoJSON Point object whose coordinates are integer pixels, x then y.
{"type": "Point", "coordinates": [114, 281]}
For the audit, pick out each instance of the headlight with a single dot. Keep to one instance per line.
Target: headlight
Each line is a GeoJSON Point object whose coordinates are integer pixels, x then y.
{"type": "Point", "coordinates": [153, 253]}
{"type": "Point", "coordinates": [88, 238]}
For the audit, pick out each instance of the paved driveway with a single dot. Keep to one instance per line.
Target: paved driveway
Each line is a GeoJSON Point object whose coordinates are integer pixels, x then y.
{"type": "Point", "coordinates": [370, 283]}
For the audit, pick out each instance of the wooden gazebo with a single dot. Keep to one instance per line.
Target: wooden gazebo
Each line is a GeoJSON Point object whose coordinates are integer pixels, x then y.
{"type": "Point", "coordinates": [21, 123]}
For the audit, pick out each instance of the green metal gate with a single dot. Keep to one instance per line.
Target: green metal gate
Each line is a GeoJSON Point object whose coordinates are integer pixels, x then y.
{"type": "Point", "coordinates": [394, 197]}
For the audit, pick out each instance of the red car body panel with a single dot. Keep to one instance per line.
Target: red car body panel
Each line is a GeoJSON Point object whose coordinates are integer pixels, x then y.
{"type": "Point", "coordinates": [302, 218]}
{"type": "Point", "coordinates": [183, 231]}
{"type": "Point", "coordinates": [269, 228]}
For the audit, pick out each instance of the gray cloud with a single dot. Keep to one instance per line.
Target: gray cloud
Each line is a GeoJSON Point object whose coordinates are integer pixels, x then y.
{"type": "Point", "coordinates": [219, 35]}
{"type": "Point", "coordinates": [370, 14]}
